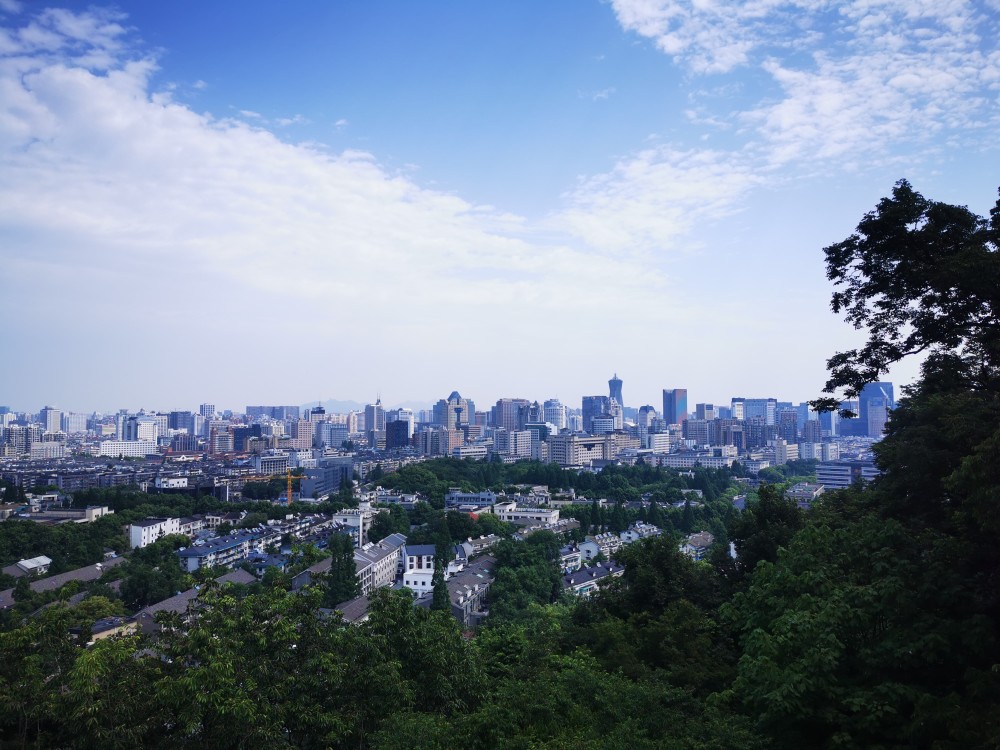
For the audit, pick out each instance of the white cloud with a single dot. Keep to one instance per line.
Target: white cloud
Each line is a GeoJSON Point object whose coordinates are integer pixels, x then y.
{"type": "Point", "coordinates": [651, 199]}
{"type": "Point", "coordinates": [137, 211]}
{"type": "Point", "coordinates": [879, 74]}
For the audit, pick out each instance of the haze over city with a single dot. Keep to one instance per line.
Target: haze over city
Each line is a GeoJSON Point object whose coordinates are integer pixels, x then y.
{"type": "Point", "coordinates": [241, 203]}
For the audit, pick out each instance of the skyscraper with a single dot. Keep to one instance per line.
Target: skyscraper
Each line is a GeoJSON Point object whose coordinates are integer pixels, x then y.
{"type": "Point", "coordinates": [675, 405]}
{"type": "Point", "coordinates": [555, 413]}
{"type": "Point", "coordinates": [874, 404]}
{"type": "Point", "coordinates": [375, 417]}
{"type": "Point", "coordinates": [207, 410]}
{"type": "Point", "coordinates": [594, 406]}
{"type": "Point", "coordinates": [615, 389]}
{"type": "Point", "coordinates": [507, 413]}
{"type": "Point", "coordinates": [51, 419]}
{"type": "Point", "coordinates": [454, 412]}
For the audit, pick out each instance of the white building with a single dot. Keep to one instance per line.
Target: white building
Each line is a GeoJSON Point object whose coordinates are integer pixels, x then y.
{"type": "Point", "coordinates": [127, 448]}
{"type": "Point", "coordinates": [359, 520]}
{"type": "Point", "coordinates": [35, 566]}
{"type": "Point", "coordinates": [269, 464]}
{"type": "Point", "coordinates": [170, 483]}
{"type": "Point", "coordinates": [600, 544]}
{"type": "Point", "coordinates": [378, 563]}
{"type": "Point", "coordinates": [149, 530]}
{"type": "Point", "coordinates": [820, 451]}
{"type": "Point", "coordinates": [511, 513]}
{"type": "Point", "coordinates": [418, 568]}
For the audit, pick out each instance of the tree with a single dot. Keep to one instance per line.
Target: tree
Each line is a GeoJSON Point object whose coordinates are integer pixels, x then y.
{"type": "Point", "coordinates": [918, 276]}
{"type": "Point", "coordinates": [22, 590]}
{"type": "Point", "coordinates": [342, 579]}
{"type": "Point", "coordinates": [654, 516]}
{"type": "Point", "coordinates": [441, 601]}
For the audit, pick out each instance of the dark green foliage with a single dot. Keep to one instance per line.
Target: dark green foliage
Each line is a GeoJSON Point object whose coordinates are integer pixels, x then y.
{"type": "Point", "coordinates": [153, 573]}
{"type": "Point", "coordinates": [393, 522]}
{"type": "Point", "coordinates": [342, 582]}
{"type": "Point", "coordinates": [767, 525]}
{"type": "Point", "coordinates": [441, 601]}
{"type": "Point", "coordinates": [524, 576]}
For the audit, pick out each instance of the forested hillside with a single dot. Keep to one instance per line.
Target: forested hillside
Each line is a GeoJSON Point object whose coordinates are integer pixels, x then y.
{"type": "Point", "coordinates": [869, 621]}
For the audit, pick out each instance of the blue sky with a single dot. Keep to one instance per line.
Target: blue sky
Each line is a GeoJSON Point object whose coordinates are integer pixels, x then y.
{"type": "Point", "coordinates": [244, 203]}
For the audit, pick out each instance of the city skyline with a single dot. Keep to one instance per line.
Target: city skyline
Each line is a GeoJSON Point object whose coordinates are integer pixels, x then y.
{"type": "Point", "coordinates": [229, 202]}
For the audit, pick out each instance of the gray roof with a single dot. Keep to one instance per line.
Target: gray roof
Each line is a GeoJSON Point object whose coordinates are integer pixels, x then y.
{"type": "Point", "coordinates": [420, 549]}
{"type": "Point", "coordinates": [179, 603]}
{"type": "Point", "coordinates": [87, 573]}
{"type": "Point", "coordinates": [593, 573]}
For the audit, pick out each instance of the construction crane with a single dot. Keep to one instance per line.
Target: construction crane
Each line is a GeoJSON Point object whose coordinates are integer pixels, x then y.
{"type": "Point", "coordinates": [288, 493]}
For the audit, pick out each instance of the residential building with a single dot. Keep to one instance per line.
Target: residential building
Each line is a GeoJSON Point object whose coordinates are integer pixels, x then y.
{"type": "Point", "coordinates": [378, 563]}
{"type": "Point", "coordinates": [145, 532]}
{"type": "Point", "coordinates": [418, 568]}
{"type": "Point", "coordinates": [697, 545]}
{"type": "Point", "coordinates": [586, 580]}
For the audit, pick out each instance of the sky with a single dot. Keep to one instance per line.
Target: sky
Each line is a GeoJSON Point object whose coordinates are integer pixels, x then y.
{"type": "Point", "coordinates": [246, 202]}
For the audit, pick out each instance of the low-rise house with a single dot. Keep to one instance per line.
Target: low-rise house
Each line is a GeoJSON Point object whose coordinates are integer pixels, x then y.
{"type": "Point", "coordinates": [214, 519]}
{"type": "Point", "coordinates": [586, 580]}
{"type": "Point", "coordinates": [261, 563]}
{"type": "Point", "coordinates": [224, 550]}
{"type": "Point", "coordinates": [483, 543]}
{"type": "Point", "coordinates": [570, 558]}
{"type": "Point", "coordinates": [805, 494]}
{"type": "Point", "coordinates": [53, 583]}
{"type": "Point", "coordinates": [107, 627]}
{"type": "Point", "coordinates": [418, 568]}
{"type": "Point", "coordinates": [639, 530]}
{"type": "Point", "coordinates": [468, 592]}
{"type": "Point", "coordinates": [562, 526]}
{"type": "Point", "coordinates": [190, 525]}
{"type": "Point", "coordinates": [185, 603]}
{"type": "Point", "coordinates": [697, 545]}
{"type": "Point", "coordinates": [35, 566]}
{"type": "Point", "coordinates": [600, 544]}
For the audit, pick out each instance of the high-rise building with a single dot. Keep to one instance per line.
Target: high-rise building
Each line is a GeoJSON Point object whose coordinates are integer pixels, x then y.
{"type": "Point", "coordinates": [594, 406]}
{"type": "Point", "coordinates": [375, 417]}
{"type": "Point", "coordinates": [761, 407]}
{"type": "Point", "coordinates": [508, 413]}
{"type": "Point", "coordinates": [397, 434]}
{"type": "Point", "coordinates": [73, 423]}
{"type": "Point", "coordinates": [788, 425]}
{"type": "Point", "coordinates": [874, 404]}
{"type": "Point", "coordinates": [400, 415]}
{"type": "Point", "coordinates": [454, 412]}
{"type": "Point", "coordinates": [51, 419]}
{"type": "Point", "coordinates": [555, 413]}
{"type": "Point", "coordinates": [812, 431]}
{"type": "Point", "coordinates": [615, 389]}
{"type": "Point", "coordinates": [645, 416]}
{"type": "Point", "coordinates": [675, 405]}
{"type": "Point", "coordinates": [207, 410]}
{"type": "Point", "coordinates": [705, 411]}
